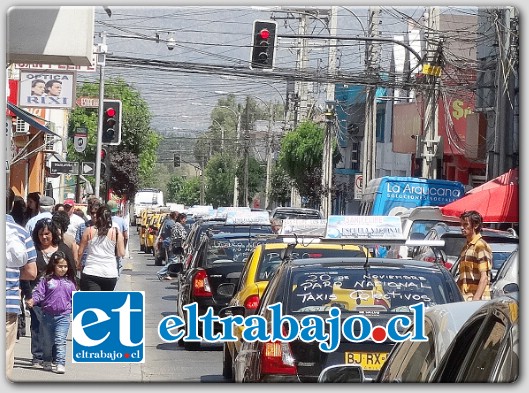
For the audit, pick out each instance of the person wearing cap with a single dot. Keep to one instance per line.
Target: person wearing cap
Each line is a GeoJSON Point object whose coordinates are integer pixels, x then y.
{"type": "Point", "coordinates": [121, 224]}
{"type": "Point", "coordinates": [75, 220]}
{"type": "Point", "coordinates": [46, 204]}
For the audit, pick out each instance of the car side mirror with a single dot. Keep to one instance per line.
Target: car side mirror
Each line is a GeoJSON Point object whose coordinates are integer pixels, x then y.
{"type": "Point", "coordinates": [511, 287]}
{"type": "Point", "coordinates": [342, 373]}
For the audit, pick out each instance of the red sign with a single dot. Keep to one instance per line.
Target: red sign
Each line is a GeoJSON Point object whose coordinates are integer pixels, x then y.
{"type": "Point", "coordinates": [12, 95]}
{"type": "Point", "coordinates": [87, 102]}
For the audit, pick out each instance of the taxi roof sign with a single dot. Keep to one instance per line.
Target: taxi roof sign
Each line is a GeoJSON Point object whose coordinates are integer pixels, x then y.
{"type": "Point", "coordinates": [314, 227]}
{"type": "Point", "coordinates": [364, 227]}
{"type": "Point", "coordinates": [251, 217]}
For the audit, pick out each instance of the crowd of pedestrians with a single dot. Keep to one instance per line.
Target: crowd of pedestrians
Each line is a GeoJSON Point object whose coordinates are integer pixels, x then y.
{"type": "Point", "coordinates": [52, 250]}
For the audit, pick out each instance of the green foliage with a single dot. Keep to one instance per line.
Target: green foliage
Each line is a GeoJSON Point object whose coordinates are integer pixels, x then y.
{"type": "Point", "coordinates": [138, 141]}
{"type": "Point", "coordinates": [189, 193]}
{"type": "Point", "coordinates": [256, 179]}
{"type": "Point", "coordinates": [301, 157]}
{"type": "Point", "coordinates": [280, 186]}
{"type": "Point", "coordinates": [174, 187]}
{"type": "Point", "coordinates": [219, 177]}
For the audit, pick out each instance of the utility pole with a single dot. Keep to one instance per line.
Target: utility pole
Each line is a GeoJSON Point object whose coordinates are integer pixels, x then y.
{"type": "Point", "coordinates": [269, 152]}
{"type": "Point", "coordinates": [370, 119]}
{"type": "Point", "coordinates": [236, 178]}
{"type": "Point", "coordinates": [431, 142]}
{"type": "Point", "coordinates": [102, 50]}
{"type": "Point", "coordinates": [246, 152]}
{"type": "Point", "coordinates": [326, 179]}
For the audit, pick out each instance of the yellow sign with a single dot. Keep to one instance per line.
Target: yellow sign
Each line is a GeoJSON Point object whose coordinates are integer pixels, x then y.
{"type": "Point", "coordinates": [371, 361]}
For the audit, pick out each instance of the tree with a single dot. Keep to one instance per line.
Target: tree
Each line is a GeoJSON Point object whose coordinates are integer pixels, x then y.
{"type": "Point", "coordinates": [219, 177]}
{"type": "Point", "coordinates": [280, 185]}
{"type": "Point", "coordinates": [136, 155]}
{"type": "Point", "coordinates": [301, 158]}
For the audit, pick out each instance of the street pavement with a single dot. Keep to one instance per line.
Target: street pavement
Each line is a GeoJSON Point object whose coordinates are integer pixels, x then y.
{"type": "Point", "coordinates": [164, 362]}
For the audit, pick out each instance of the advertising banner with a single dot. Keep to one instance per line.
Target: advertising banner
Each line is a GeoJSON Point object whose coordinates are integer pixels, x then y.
{"type": "Point", "coordinates": [46, 89]}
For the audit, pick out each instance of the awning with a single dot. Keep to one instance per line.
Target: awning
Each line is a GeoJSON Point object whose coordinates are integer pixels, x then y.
{"type": "Point", "coordinates": [30, 119]}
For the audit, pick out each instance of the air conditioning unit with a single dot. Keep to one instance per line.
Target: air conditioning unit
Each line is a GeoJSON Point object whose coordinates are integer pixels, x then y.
{"type": "Point", "coordinates": [22, 128]}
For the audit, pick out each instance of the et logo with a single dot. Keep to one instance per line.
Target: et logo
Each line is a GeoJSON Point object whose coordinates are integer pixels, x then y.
{"type": "Point", "coordinates": [108, 327]}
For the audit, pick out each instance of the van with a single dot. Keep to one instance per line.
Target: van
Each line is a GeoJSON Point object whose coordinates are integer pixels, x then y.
{"type": "Point", "coordinates": [144, 198]}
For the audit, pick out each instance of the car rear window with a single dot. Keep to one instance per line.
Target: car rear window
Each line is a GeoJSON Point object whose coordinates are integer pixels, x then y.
{"type": "Point", "coordinates": [358, 290]}
{"type": "Point", "coordinates": [229, 250]}
{"type": "Point", "coordinates": [271, 259]}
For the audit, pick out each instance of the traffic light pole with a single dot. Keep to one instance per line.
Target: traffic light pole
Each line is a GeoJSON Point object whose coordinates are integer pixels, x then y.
{"type": "Point", "coordinates": [101, 57]}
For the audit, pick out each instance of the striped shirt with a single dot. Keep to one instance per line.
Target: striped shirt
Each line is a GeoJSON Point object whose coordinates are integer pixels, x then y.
{"type": "Point", "coordinates": [476, 257]}
{"type": "Point", "coordinates": [13, 274]}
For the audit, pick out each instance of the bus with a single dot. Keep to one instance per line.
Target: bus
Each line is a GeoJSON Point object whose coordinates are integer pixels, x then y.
{"type": "Point", "coordinates": [393, 195]}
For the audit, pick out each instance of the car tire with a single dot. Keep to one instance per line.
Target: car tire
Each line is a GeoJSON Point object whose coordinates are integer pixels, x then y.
{"type": "Point", "coordinates": [227, 363]}
{"type": "Point", "coordinates": [191, 346]}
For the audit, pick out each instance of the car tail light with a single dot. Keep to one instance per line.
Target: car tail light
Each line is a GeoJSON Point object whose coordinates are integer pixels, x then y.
{"type": "Point", "coordinates": [201, 287]}
{"type": "Point", "coordinates": [429, 259]}
{"type": "Point", "coordinates": [277, 358]}
{"type": "Point", "coordinates": [448, 265]}
{"type": "Point", "coordinates": [315, 255]}
{"type": "Point", "coordinates": [251, 302]}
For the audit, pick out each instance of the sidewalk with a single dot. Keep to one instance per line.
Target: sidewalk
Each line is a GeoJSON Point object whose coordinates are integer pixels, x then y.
{"type": "Point", "coordinates": [75, 372]}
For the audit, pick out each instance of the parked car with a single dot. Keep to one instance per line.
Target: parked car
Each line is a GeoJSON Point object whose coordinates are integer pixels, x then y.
{"type": "Point", "coordinates": [486, 348]}
{"type": "Point", "coordinates": [502, 244]}
{"type": "Point", "coordinates": [408, 361]}
{"type": "Point", "coordinates": [217, 261]}
{"type": "Point", "coordinates": [283, 212]}
{"type": "Point", "coordinates": [377, 289]}
{"type": "Point", "coordinates": [257, 271]}
{"type": "Point", "coordinates": [506, 280]}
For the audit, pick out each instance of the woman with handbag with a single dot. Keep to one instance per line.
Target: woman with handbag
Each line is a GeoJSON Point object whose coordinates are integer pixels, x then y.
{"type": "Point", "coordinates": [175, 255]}
{"type": "Point", "coordinates": [103, 242]}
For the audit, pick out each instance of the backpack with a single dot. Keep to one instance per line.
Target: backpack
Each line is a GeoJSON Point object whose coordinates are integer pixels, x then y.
{"type": "Point", "coordinates": [16, 254]}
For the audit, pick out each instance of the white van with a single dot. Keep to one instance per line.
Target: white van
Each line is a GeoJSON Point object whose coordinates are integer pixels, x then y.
{"type": "Point", "coordinates": [416, 223]}
{"type": "Point", "coordinates": [147, 197]}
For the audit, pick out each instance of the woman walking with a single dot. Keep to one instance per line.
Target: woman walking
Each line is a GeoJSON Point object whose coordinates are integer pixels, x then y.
{"type": "Point", "coordinates": [103, 243]}
{"type": "Point", "coordinates": [53, 294]}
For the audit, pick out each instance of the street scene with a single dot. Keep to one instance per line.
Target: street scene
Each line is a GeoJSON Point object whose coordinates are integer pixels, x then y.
{"type": "Point", "coordinates": [267, 194]}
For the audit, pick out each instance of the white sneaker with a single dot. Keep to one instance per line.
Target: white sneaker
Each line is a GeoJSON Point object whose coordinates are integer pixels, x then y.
{"type": "Point", "coordinates": [61, 369]}
{"type": "Point", "coordinates": [36, 363]}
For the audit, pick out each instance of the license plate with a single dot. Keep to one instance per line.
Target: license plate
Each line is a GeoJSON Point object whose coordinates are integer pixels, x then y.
{"type": "Point", "coordinates": [371, 361]}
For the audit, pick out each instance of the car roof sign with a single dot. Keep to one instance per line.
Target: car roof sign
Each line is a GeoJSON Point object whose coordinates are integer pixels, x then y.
{"type": "Point", "coordinates": [364, 227]}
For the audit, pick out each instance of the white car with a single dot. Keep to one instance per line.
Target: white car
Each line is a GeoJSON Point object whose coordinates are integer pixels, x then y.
{"type": "Point", "coordinates": [506, 280]}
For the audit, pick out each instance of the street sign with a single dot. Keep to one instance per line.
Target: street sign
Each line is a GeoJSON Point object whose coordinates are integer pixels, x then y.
{"type": "Point", "coordinates": [88, 168]}
{"type": "Point", "coordinates": [79, 142]}
{"type": "Point", "coordinates": [359, 184]}
{"type": "Point", "coordinates": [64, 167]}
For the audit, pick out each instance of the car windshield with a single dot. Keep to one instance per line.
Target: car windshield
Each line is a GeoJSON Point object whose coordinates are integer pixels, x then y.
{"type": "Point", "coordinates": [355, 290]}
{"type": "Point", "coordinates": [272, 258]}
{"type": "Point", "coordinates": [225, 250]}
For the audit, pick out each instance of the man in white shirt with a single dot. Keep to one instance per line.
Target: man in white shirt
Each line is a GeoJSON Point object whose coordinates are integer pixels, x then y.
{"type": "Point", "coordinates": [75, 220]}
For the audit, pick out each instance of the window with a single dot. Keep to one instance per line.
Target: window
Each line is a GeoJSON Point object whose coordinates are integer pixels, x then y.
{"type": "Point", "coordinates": [412, 361]}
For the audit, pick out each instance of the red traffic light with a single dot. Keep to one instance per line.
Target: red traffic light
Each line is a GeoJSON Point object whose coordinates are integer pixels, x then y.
{"type": "Point", "coordinates": [264, 34]}
{"type": "Point", "coordinates": [111, 112]}
{"type": "Point", "coordinates": [103, 154]}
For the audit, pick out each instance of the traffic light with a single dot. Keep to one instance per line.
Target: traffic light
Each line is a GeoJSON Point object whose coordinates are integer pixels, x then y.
{"type": "Point", "coordinates": [263, 44]}
{"type": "Point", "coordinates": [111, 122]}
{"type": "Point", "coordinates": [176, 160]}
{"type": "Point", "coordinates": [104, 164]}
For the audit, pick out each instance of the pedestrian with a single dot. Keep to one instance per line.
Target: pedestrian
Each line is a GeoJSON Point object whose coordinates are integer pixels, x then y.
{"type": "Point", "coordinates": [475, 259]}
{"type": "Point", "coordinates": [62, 221]}
{"type": "Point", "coordinates": [102, 243]}
{"type": "Point", "coordinates": [75, 220]}
{"type": "Point", "coordinates": [18, 212]}
{"type": "Point", "coordinates": [32, 206]}
{"type": "Point", "coordinates": [47, 240]}
{"type": "Point", "coordinates": [174, 262]}
{"type": "Point", "coordinates": [54, 295]}
{"type": "Point", "coordinates": [46, 205]}
{"type": "Point", "coordinates": [166, 251]}
{"type": "Point", "coordinates": [17, 269]}
{"type": "Point", "coordinates": [93, 203]}
{"type": "Point", "coordinates": [122, 225]}
{"type": "Point", "coordinates": [277, 224]}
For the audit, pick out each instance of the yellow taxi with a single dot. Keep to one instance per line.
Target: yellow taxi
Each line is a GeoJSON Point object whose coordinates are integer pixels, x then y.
{"type": "Point", "coordinates": [146, 216]}
{"type": "Point", "coordinates": [259, 268]}
{"type": "Point", "coordinates": [152, 231]}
